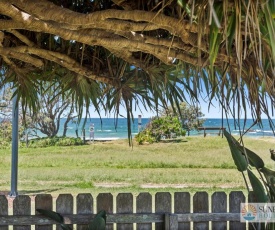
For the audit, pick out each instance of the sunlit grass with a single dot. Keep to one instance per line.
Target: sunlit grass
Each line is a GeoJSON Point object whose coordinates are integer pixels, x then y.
{"type": "Point", "coordinates": [192, 163]}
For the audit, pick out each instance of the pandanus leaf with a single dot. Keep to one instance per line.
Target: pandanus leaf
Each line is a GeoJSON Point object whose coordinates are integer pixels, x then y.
{"type": "Point", "coordinates": [239, 159]}
{"type": "Point", "coordinates": [270, 178]}
{"type": "Point", "coordinates": [254, 159]}
{"type": "Point", "coordinates": [54, 216]}
{"type": "Point", "coordinates": [231, 31]}
{"type": "Point", "coordinates": [268, 10]}
{"type": "Point", "coordinates": [99, 222]}
{"type": "Point", "coordinates": [258, 187]}
{"type": "Point", "coordinates": [51, 214]}
{"type": "Point", "coordinates": [215, 36]}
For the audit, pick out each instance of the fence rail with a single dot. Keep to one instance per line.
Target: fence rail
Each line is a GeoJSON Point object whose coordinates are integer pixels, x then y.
{"type": "Point", "coordinates": [163, 210]}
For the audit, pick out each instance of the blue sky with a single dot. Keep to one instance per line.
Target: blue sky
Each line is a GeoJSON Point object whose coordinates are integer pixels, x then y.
{"type": "Point", "coordinates": [214, 112]}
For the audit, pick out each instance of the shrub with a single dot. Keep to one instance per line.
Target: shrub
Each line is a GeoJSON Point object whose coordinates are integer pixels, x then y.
{"type": "Point", "coordinates": [6, 144]}
{"type": "Point", "coordinates": [144, 137]}
{"type": "Point", "coordinates": [54, 141]}
{"type": "Point", "coordinates": [161, 127]}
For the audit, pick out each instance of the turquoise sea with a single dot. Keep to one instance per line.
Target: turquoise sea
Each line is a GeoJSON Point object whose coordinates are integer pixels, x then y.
{"type": "Point", "coordinates": [110, 128]}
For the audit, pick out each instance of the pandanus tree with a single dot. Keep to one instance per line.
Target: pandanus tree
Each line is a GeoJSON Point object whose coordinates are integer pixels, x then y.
{"type": "Point", "coordinates": [133, 52]}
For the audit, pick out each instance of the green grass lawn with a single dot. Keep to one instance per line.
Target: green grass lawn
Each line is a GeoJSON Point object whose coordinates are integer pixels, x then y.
{"type": "Point", "coordinates": [190, 164]}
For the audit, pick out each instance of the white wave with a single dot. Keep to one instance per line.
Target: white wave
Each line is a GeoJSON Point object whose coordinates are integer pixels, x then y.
{"type": "Point", "coordinates": [104, 130]}
{"type": "Point", "coordinates": [270, 131]}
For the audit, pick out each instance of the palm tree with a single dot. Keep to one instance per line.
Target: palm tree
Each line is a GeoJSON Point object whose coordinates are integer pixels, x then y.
{"type": "Point", "coordinates": [148, 52]}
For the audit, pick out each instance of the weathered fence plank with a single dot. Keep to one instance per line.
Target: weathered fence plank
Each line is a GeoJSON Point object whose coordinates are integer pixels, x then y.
{"type": "Point", "coordinates": [203, 217]}
{"type": "Point", "coordinates": [4, 206]}
{"type": "Point", "coordinates": [124, 205]}
{"type": "Point", "coordinates": [144, 205]}
{"type": "Point", "coordinates": [84, 205]}
{"type": "Point", "coordinates": [22, 206]}
{"type": "Point", "coordinates": [43, 201]}
{"type": "Point", "coordinates": [235, 199]}
{"type": "Point", "coordinates": [105, 202]}
{"type": "Point", "coordinates": [64, 205]}
{"type": "Point", "coordinates": [200, 205]}
{"type": "Point", "coordinates": [219, 205]}
{"type": "Point", "coordinates": [163, 204]}
{"type": "Point", "coordinates": [182, 205]}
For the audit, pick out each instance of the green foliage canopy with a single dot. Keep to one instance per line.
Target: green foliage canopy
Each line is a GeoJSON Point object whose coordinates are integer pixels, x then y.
{"type": "Point", "coordinates": [190, 115]}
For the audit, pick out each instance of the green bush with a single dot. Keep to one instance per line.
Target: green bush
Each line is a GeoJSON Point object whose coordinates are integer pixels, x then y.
{"type": "Point", "coordinates": [6, 130]}
{"type": "Point", "coordinates": [144, 137]}
{"type": "Point", "coordinates": [68, 141]}
{"type": "Point", "coordinates": [5, 144]}
{"type": "Point", "coordinates": [54, 141]}
{"type": "Point", "coordinates": [43, 142]}
{"type": "Point", "coordinates": [161, 128]}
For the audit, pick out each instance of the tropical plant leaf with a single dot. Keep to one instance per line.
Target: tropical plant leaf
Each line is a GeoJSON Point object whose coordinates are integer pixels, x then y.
{"type": "Point", "coordinates": [254, 159]}
{"type": "Point", "coordinates": [215, 36]}
{"type": "Point", "coordinates": [54, 216]}
{"type": "Point", "coordinates": [99, 222]}
{"type": "Point", "coordinates": [270, 22]}
{"type": "Point", "coordinates": [270, 178]}
{"type": "Point", "coordinates": [258, 187]}
{"type": "Point", "coordinates": [231, 31]}
{"type": "Point", "coordinates": [51, 214]}
{"type": "Point", "coordinates": [239, 159]}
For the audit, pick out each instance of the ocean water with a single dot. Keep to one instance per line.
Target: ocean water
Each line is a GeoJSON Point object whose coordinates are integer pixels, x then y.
{"type": "Point", "coordinates": [109, 128]}
{"type": "Point", "coordinates": [105, 128]}
{"type": "Point", "coordinates": [235, 128]}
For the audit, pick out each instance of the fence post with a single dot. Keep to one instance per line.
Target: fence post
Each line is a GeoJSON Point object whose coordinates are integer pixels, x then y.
{"type": "Point", "coordinates": [182, 205]}
{"type": "Point", "coordinates": [219, 205]}
{"type": "Point", "coordinates": [124, 205]}
{"type": "Point", "coordinates": [22, 206]}
{"type": "Point", "coordinates": [43, 201]}
{"type": "Point", "coordinates": [171, 222]}
{"type": "Point", "coordinates": [84, 205]}
{"type": "Point", "coordinates": [105, 202]}
{"type": "Point", "coordinates": [163, 204]}
{"type": "Point", "coordinates": [64, 205]}
{"type": "Point", "coordinates": [4, 209]}
{"type": "Point", "coordinates": [200, 205]}
{"type": "Point", "coordinates": [144, 205]}
{"type": "Point", "coordinates": [235, 200]}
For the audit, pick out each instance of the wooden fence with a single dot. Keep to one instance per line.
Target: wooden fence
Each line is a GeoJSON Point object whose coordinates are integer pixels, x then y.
{"type": "Point", "coordinates": [125, 211]}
